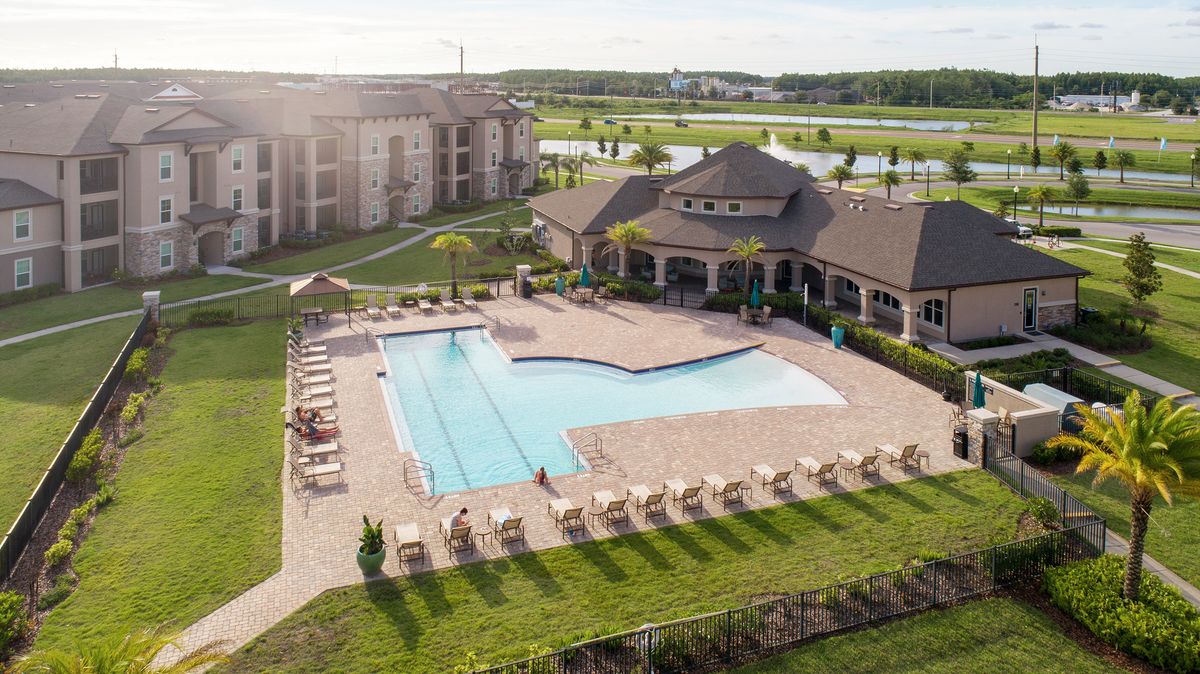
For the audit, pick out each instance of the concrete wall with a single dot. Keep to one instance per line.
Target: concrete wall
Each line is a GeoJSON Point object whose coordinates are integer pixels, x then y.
{"type": "Point", "coordinates": [979, 311]}
{"type": "Point", "coordinates": [47, 266]}
{"type": "Point", "coordinates": [1032, 420]}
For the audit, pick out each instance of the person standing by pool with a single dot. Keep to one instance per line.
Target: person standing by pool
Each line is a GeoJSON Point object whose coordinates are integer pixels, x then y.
{"type": "Point", "coordinates": [459, 519]}
{"type": "Point", "coordinates": [540, 478]}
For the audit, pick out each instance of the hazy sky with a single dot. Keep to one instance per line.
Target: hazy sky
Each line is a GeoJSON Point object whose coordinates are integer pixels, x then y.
{"type": "Point", "coordinates": [764, 36]}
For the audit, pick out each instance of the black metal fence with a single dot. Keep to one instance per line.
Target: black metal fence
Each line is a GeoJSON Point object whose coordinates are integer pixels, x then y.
{"type": "Point", "coordinates": [1028, 483]}
{"type": "Point", "coordinates": [1076, 382]}
{"type": "Point", "coordinates": [716, 640]}
{"type": "Point", "coordinates": [22, 530]}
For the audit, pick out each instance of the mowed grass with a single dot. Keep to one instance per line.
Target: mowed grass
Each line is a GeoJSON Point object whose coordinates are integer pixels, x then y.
{"type": "Point", "coordinates": [988, 635]}
{"type": "Point", "coordinates": [45, 385]}
{"type": "Point", "coordinates": [197, 518]}
{"type": "Point", "coordinates": [428, 622]}
{"type": "Point", "coordinates": [988, 198]}
{"type": "Point", "coordinates": [334, 254]}
{"type": "Point", "coordinates": [437, 218]}
{"type": "Point", "coordinates": [1184, 259]}
{"type": "Point", "coordinates": [1175, 355]}
{"type": "Point", "coordinates": [1173, 537]}
{"type": "Point", "coordinates": [419, 263]}
{"type": "Point", "coordinates": [521, 218]}
{"type": "Point", "coordinates": [19, 319]}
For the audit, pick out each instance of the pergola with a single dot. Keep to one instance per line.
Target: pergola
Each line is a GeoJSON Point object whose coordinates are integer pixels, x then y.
{"type": "Point", "coordinates": [320, 284]}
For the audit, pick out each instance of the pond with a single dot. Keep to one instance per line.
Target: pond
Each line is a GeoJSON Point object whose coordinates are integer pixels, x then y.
{"type": "Point", "coordinates": [1119, 210]}
{"type": "Point", "coordinates": [916, 124]}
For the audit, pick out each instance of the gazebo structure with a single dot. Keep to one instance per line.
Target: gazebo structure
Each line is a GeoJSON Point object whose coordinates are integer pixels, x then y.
{"type": "Point", "coordinates": [321, 284]}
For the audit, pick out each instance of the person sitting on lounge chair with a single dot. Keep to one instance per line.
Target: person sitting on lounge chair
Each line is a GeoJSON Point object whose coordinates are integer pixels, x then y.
{"type": "Point", "coordinates": [540, 478]}
{"type": "Point", "coordinates": [309, 431]}
{"type": "Point", "coordinates": [459, 519]}
{"type": "Point", "coordinates": [308, 414]}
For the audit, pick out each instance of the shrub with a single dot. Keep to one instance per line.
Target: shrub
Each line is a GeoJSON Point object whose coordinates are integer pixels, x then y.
{"type": "Point", "coordinates": [628, 288]}
{"type": "Point", "coordinates": [56, 554]}
{"type": "Point", "coordinates": [1058, 230]}
{"type": "Point", "coordinates": [133, 407]}
{"type": "Point", "coordinates": [12, 620]}
{"type": "Point", "coordinates": [1038, 360]}
{"type": "Point", "coordinates": [1044, 455]}
{"type": "Point", "coordinates": [1161, 627]}
{"type": "Point", "coordinates": [1107, 332]}
{"type": "Point", "coordinates": [86, 456]}
{"type": "Point", "coordinates": [79, 514]}
{"type": "Point", "coordinates": [138, 365]}
{"type": "Point", "coordinates": [64, 585]}
{"type": "Point", "coordinates": [161, 336]}
{"type": "Point", "coordinates": [68, 530]}
{"type": "Point", "coordinates": [131, 437]}
{"type": "Point", "coordinates": [202, 317]}
{"type": "Point", "coordinates": [480, 291]}
{"type": "Point", "coordinates": [989, 342]}
{"type": "Point", "coordinates": [1044, 511]}
{"type": "Point", "coordinates": [29, 294]}
{"type": "Point", "coordinates": [197, 269]}
{"type": "Point", "coordinates": [105, 495]}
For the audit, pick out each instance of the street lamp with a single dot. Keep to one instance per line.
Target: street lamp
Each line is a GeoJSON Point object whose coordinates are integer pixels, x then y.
{"type": "Point", "coordinates": [1008, 165]}
{"type": "Point", "coordinates": [879, 165]}
{"type": "Point", "coordinates": [568, 143]}
{"type": "Point", "coordinates": [926, 178]}
{"type": "Point", "coordinates": [1016, 190]}
{"type": "Point", "coordinates": [1193, 169]}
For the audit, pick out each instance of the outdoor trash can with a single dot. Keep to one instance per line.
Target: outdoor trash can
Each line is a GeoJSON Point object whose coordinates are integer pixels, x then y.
{"type": "Point", "coordinates": [527, 288]}
{"type": "Point", "coordinates": [960, 442]}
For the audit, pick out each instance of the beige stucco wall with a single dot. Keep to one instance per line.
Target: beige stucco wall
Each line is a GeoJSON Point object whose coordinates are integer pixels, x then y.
{"type": "Point", "coordinates": [674, 200]}
{"type": "Point", "coordinates": [1033, 422]}
{"type": "Point", "coordinates": [980, 310]}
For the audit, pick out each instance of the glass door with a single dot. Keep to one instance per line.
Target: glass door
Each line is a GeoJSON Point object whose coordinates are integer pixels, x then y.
{"type": "Point", "coordinates": [1030, 310]}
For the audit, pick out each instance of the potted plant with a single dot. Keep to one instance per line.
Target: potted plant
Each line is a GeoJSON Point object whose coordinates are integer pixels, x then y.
{"type": "Point", "coordinates": [373, 549]}
{"type": "Point", "coordinates": [296, 327]}
{"type": "Point", "coordinates": [837, 332]}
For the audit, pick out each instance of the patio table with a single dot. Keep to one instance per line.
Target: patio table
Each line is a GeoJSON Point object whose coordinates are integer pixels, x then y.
{"type": "Point", "coordinates": [585, 294]}
{"type": "Point", "coordinates": [755, 315]}
{"type": "Point", "coordinates": [313, 313]}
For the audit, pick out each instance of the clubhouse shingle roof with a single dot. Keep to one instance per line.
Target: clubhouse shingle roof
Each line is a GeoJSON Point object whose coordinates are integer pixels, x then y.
{"type": "Point", "coordinates": [738, 170]}
{"type": "Point", "coordinates": [19, 194]}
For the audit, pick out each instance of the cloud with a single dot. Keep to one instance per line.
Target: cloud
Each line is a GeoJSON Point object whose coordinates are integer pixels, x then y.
{"type": "Point", "coordinates": [1049, 25]}
{"type": "Point", "coordinates": [962, 29]}
{"type": "Point", "coordinates": [1092, 37]}
{"type": "Point", "coordinates": [618, 40]}
{"type": "Point", "coordinates": [1194, 21]}
{"type": "Point", "coordinates": [443, 42]}
{"type": "Point", "coordinates": [1091, 25]}
{"type": "Point", "coordinates": [996, 36]}
{"type": "Point", "coordinates": [879, 41]}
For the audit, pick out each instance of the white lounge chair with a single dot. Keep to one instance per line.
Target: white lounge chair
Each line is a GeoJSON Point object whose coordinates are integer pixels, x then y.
{"type": "Point", "coordinates": [614, 508]}
{"type": "Point", "coordinates": [650, 504]}
{"type": "Point", "coordinates": [373, 307]}
{"type": "Point", "coordinates": [424, 305]}
{"type": "Point", "coordinates": [409, 544]}
{"type": "Point", "coordinates": [824, 473]}
{"type": "Point", "coordinates": [446, 302]}
{"type": "Point", "coordinates": [389, 305]}
{"type": "Point", "coordinates": [684, 495]}
{"type": "Point", "coordinates": [314, 471]}
{"type": "Point", "coordinates": [468, 299]}
{"type": "Point", "coordinates": [567, 517]}
{"type": "Point", "coordinates": [726, 492]}
{"type": "Point", "coordinates": [777, 481]}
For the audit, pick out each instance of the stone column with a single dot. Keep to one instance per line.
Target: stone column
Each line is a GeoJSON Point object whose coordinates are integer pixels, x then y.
{"type": "Point", "coordinates": [150, 303]}
{"type": "Point", "coordinates": [866, 306]}
{"type": "Point", "coordinates": [910, 325]}
{"type": "Point", "coordinates": [830, 292]}
{"type": "Point", "coordinates": [585, 255]}
{"type": "Point", "coordinates": [621, 262]}
{"type": "Point", "coordinates": [660, 273]}
{"type": "Point", "coordinates": [769, 279]}
{"type": "Point", "coordinates": [713, 272]}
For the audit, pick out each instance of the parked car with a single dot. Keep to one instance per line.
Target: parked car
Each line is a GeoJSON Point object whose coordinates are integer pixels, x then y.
{"type": "Point", "coordinates": [1023, 232]}
{"type": "Point", "coordinates": [538, 119]}
{"type": "Point", "coordinates": [681, 124]}
{"type": "Point", "coordinates": [610, 121]}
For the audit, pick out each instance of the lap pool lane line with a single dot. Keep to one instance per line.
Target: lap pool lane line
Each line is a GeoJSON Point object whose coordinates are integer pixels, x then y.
{"type": "Point", "coordinates": [441, 423]}
{"type": "Point", "coordinates": [492, 402]}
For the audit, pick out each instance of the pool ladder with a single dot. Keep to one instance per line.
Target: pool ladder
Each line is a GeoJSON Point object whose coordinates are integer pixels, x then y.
{"type": "Point", "coordinates": [417, 474]}
{"type": "Point", "coordinates": [589, 445]}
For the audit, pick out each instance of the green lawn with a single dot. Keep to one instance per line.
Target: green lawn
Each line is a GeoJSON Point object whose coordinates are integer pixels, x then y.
{"type": "Point", "coordinates": [436, 218]}
{"type": "Point", "coordinates": [334, 254]}
{"type": "Point", "coordinates": [1175, 355]}
{"type": "Point", "coordinates": [1173, 537]}
{"type": "Point", "coordinates": [19, 319]}
{"type": "Point", "coordinates": [427, 622]}
{"type": "Point", "coordinates": [988, 635]}
{"type": "Point", "coordinates": [1186, 259]}
{"type": "Point", "coordinates": [46, 384]}
{"type": "Point", "coordinates": [523, 217]}
{"type": "Point", "coordinates": [988, 198]}
{"type": "Point", "coordinates": [419, 263]}
{"type": "Point", "coordinates": [198, 516]}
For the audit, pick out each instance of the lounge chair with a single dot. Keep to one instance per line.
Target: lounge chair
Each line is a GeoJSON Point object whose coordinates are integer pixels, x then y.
{"type": "Point", "coordinates": [650, 504]}
{"type": "Point", "coordinates": [728, 493]}
{"type": "Point", "coordinates": [314, 471]}
{"type": "Point", "coordinates": [766, 315]}
{"type": "Point", "coordinates": [307, 453]}
{"type": "Point", "coordinates": [409, 544]}
{"type": "Point", "coordinates": [302, 379]}
{"type": "Point", "coordinates": [306, 359]}
{"type": "Point", "coordinates": [327, 419]}
{"type": "Point", "coordinates": [456, 539]}
{"type": "Point", "coordinates": [306, 346]}
{"type": "Point", "coordinates": [775, 481]}
{"type": "Point", "coordinates": [505, 527]}
{"type": "Point", "coordinates": [857, 463]}
{"type": "Point", "coordinates": [445, 301]}
{"type": "Point", "coordinates": [308, 392]}
{"type": "Point", "coordinates": [372, 307]}
{"type": "Point", "coordinates": [614, 508]}
{"type": "Point", "coordinates": [684, 496]}
{"type": "Point", "coordinates": [468, 298]}
{"type": "Point", "coordinates": [390, 306]}
{"type": "Point", "coordinates": [322, 404]}
{"type": "Point", "coordinates": [825, 473]}
{"type": "Point", "coordinates": [313, 368]}
{"type": "Point", "coordinates": [907, 457]}
{"type": "Point", "coordinates": [567, 517]}
{"type": "Point", "coordinates": [423, 305]}
{"type": "Point", "coordinates": [743, 314]}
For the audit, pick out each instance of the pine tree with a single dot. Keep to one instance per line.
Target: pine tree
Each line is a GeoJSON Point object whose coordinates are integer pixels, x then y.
{"type": "Point", "coordinates": [1142, 278]}
{"type": "Point", "coordinates": [704, 152]}
{"type": "Point", "coordinates": [851, 157]}
{"type": "Point", "coordinates": [894, 157]}
{"type": "Point", "coordinates": [823, 136]}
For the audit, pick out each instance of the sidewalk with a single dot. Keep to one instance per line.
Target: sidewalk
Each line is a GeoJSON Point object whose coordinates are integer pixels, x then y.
{"type": "Point", "coordinates": [1114, 544]}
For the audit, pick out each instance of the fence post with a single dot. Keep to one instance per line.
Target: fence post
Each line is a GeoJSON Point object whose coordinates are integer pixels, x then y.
{"type": "Point", "coordinates": [803, 622]}
{"type": "Point", "coordinates": [728, 636]}
{"type": "Point", "coordinates": [993, 550]}
{"type": "Point", "coordinates": [934, 566]}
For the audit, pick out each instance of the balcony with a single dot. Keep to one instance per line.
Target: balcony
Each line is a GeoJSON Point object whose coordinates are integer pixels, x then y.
{"type": "Point", "coordinates": [98, 220]}
{"type": "Point", "coordinates": [97, 175]}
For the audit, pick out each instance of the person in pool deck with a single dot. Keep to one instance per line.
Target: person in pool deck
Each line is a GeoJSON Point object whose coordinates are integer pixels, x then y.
{"type": "Point", "coordinates": [310, 414]}
{"type": "Point", "coordinates": [540, 478]}
{"type": "Point", "coordinates": [459, 519]}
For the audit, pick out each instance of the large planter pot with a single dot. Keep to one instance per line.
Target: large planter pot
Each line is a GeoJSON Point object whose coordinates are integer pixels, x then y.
{"type": "Point", "coordinates": [560, 286]}
{"type": "Point", "coordinates": [838, 333]}
{"type": "Point", "coordinates": [371, 564]}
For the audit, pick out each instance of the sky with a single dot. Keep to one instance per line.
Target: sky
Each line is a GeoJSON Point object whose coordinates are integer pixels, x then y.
{"type": "Point", "coordinates": [763, 36]}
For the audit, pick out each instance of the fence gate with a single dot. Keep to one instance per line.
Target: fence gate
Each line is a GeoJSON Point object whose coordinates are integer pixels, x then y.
{"type": "Point", "coordinates": [678, 296]}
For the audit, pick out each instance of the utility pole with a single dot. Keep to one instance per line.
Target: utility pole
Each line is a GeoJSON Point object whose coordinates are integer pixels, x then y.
{"type": "Point", "coordinates": [114, 60]}
{"type": "Point", "coordinates": [1035, 91]}
{"type": "Point", "coordinates": [877, 95]}
{"type": "Point", "coordinates": [930, 93]}
{"type": "Point", "coordinates": [461, 71]}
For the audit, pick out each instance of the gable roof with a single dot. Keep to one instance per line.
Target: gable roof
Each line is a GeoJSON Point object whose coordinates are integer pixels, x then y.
{"type": "Point", "coordinates": [738, 170]}
{"type": "Point", "coordinates": [67, 125]}
{"type": "Point", "coordinates": [18, 194]}
{"type": "Point", "coordinates": [175, 92]}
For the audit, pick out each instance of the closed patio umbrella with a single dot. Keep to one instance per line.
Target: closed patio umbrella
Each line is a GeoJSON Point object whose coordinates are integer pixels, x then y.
{"type": "Point", "coordinates": [755, 302]}
{"type": "Point", "coordinates": [585, 279]}
{"type": "Point", "coordinates": [977, 398]}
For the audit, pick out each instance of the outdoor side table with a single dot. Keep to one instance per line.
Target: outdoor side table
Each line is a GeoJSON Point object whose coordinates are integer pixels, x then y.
{"type": "Point", "coordinates": [481, 534]}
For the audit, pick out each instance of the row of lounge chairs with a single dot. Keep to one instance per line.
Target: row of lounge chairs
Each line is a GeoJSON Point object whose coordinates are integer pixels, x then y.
{"type": "Point", "coordinates": [445, 301]}
{"type": "Point", "coordinates": [850, 461]}
{"type": "Point", "coordinates": [311, 458]}
{"type": "Point", "coordinates": [502, 525]}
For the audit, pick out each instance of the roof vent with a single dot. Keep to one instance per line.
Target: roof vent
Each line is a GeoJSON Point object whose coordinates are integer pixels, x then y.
{"type": "Point", "coordinates": [242, 100]}
{"type": "Point", "coordinates": [30, 105]}
{"type": "Point", "coordinates": [319, 93]}
{"type": "Point", "coordinates": [152, 109]}
{"type": "Point", "coordinates": [104, 86]}
{"type": "Point", "coordinates": [57, 86]}
{"type": "Point", "coordinates": [10, 86]}
{"type": "Point", "coordinates": [858, 199]}
{"type": "Point", "coordinates": [264, 91]}
{"type": "Point", "coordinates": [93, 95]}
{"type": "Point", "coordinates": [893, 207]}
{"type": "Point", "coordinates": [824, 190]}
{"type": "Point", "coordinates": [80, 95]}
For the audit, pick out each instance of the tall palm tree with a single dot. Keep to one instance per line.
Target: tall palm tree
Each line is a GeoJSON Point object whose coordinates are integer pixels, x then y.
{"type": "Point", "coordinates": [650, 155]}
{"type": "Point", "coordinates": [133, 654]}
{"type": "Point", "coordinates": [551, 161]}
{"type": "Point", "coordinates": [1152, 452]}
{"type": "Point", "coordinates": [914, 156]}
{"type": "Point", "coordinates": [1123, 158]}
{"type": "Point", "coordinates": [1041, 194]}
{"type": "Point", "coordinates": [890, 179]}
{"type": "Point", "coordinates": [453, 244]}
{"type": "Point", "coordinates": [1063, 152]}
{"type": "Point", "coordinates": [747, 250]}
{"type": "Point", "coordinates": [623, 237]}
{"type": "Point", "coordinates": [574, 165]}
{"type": "Point", "coordinates": [841, 173]}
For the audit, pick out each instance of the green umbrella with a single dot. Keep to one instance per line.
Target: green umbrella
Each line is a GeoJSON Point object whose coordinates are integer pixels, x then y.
{"type": "Point", "coordinates": [754, 301]}
{"type": "Point", "coordinates": [977, 398]}
{"type": "Point", "coordinates": [585, 279]}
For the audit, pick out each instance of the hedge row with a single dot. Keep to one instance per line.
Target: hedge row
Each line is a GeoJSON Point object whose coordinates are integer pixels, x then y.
{"type": "Point", "coordinates": [29, 294]}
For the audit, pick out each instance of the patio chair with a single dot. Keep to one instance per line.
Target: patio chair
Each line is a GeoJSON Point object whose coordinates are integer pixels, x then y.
{"type": "Point", "coordinates": [766, 315]}
{"type": "Point", "coordinates": [684, 496]}
{"type": "Point", "coordinates": [614, 508]}
{"type": "Point", "coordinates": [409, 544]}
{"type": "Point", "coordinates": [505, 527]}
{"type": "Point", "coordinates": [468, 298]}
{"type": "Point", "coordinates": [314, 471]}
{"type": "Point", "coordinates": [308, 392]}
{"type": "Point", "coordinates": [308, 453]}
{"type": "Point", "coordinates": [567, 517]}
{"type": "Point", "coordinates": [390, 306]}
{"type": "Point", "coordinates": [863, 465]}
{"type": "Point", "coordinates": [775, 481]}
{"type": "Point", "coordinates": [327, 418]}
{"type": "Point", "coordinates": [445, 301]}
{"type": "Point", "coordinates": [306, 359]}
{"type": "Point", "coordinates": [456, 539]}
{"type": "Point", "coordinates": [423, 305]}
{"type": "Point", "coordinates": [311, 368]}
{"type": "Point", "coordinates": [372, 307]}
{"type": "Point", "coordinates": [824, 473]}
{"type": "Point", "coordinates": [727, 493]}
{"type": "Point", "coordinates": [907, 457]}
{"type": "Point", "coordinates": [302, 379]}
{"type": "Point", "coordinates": [603, 294]}
{"type": "Point", "coordinates": [323, 404]}
{"type": "Point", "coordinates": [650, 504]}
{"type": "Point", "coordinates": [305, 345]}
{"type": "Point", "coordinates": [743, 314]}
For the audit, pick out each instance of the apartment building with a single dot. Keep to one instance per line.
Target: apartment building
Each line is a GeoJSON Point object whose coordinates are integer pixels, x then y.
{"type": "Point", "coordinates": [154, 177]}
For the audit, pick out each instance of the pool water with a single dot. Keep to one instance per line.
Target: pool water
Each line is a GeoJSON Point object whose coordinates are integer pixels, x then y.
{"type": "Point", "coordinates": [483, 420]}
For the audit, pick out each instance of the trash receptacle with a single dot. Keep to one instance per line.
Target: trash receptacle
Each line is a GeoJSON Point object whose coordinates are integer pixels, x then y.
{"type": "Point", "coordinates": [527, 288]}
{"type": "Point", "coordinates": [1086, 314]}
{"type": "Point", "coordinates": [960, 442]}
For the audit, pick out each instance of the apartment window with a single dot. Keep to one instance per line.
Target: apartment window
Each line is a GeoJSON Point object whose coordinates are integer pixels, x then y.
{"type": "Point", "coordinates": [327, 151]}
{"type": "Point", "coordinates": [166, 167]}
{"type": "Point", "coordinates": [443, 137]}
{"type": "Point", "coordinates": [166, 210]}
{"type": "Point", "coordinates": [374, 212]}
{"type": "Point", "coordinates": [375, 144]}
{"type": "Point", "coordinates": [264, 231]}
{"type": "Point", "coordinates": [239, 158]}
{"type": "Point", "coordinates": [685, 204]}
{"type": "Point", "coordinates": [374, 179]}
{"type": "Point", "coordinates": [852, 287]}
{"type": "Point", "coordinates": [98, 220]}
{"type": "Point", "coordinates": [493, 160]}
{"type": "Point", "coordinates": [301, 193]}
{"type": "Point", "coordinates": [327, 216]}
{"type": "Point", "coordinates": [22, 225]}
{"type": "Point", "coordinates": [416, 140]}
{"type": "Point", "coordinates": [100, 175]}
{"type": "Point", "coordinates": [734, 207]}
{"type": "Point", "coordinates": [462, 136]}
{"type": "Point", "coordinates": [238, 235]}
{"type": "Point", "coordinates": [463, 163]}
{"type": "Point", "coordinates": [492, 187]}
{"type": "Point", "coordinates": [264, 157]}
{"type": "Point", "coordinates": [23, 273]}
{"type": "Point", "coordinates": [495, 132]}
{"type": "Point", "coordinates": [301, 218]}
{"type": "Point", "coordinates": [166, 255]}
{"type": "Point", "coordinates": [299, 152]}
{"type": "Point", "coordinates": [520, 129]}
{"type": "Point", "coordinates": [326, 184]}
{"type": "Point", "coordinates": [416, 203]}
{"type": "Point", "coordinates": [708, 206]}
{"type": "Point", "coordinates": [521, 153]}
{"type": "Point", "coordinates": [416, 173]}
{"type": "Point", "coordinates": [887, 299]}
{"type": "Point", "coordinates": [62, 170]}
{"type": "Point", "coordinates": [934, 312]}
{"type": "Point", "coordinates": [264, 193]}
{"type": "Point", "coordinates": [236, 201]}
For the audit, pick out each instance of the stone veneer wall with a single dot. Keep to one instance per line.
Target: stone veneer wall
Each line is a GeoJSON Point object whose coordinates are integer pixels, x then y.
{"type": "Point", "coordinates": [356, 180]}
{"type": "Point", "coordinates": [424, 187]}
{"type": "Point", "coordinates": [1060, 314]}
{"type": "Point", "coordinates": [141, 249]}
{"type": "Point", "coordinates": [479, 184]}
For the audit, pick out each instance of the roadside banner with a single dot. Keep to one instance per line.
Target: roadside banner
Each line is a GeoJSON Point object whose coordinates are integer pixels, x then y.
{"type": "Point", "coordinates": [1055, 139]}
{"type": "Point", "coordinates": [1111, 142]}
{"type": "Point", "coordinates": [1163, 145]}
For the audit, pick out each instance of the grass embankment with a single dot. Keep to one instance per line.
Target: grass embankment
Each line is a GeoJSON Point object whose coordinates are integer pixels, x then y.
{"type": "Point", "coordinates": [198, 515]}
{"type": "Point", "coordinates": [1184, 259]}
{"type": "Point", "coordinates": [988, 198]}
{"type": "Point", "coordinates": [989, 635]}
{"type": "Point", "coordinates": [1175, 355]}
{"type": "Point", "coordinates": [45, 385]}
{"type": "Point", "coordinates": [419, 263]}
{"type": "Point", "coordinates": [523, 219]}
{"type": "Point", "coordinates": [1096, 125]}
{"type": "Point", "coordinates": [428, 622]}
{"type": "Point", "coordinates": [333, 254]}
{"type": "Point", "coordinates": [19, 319]}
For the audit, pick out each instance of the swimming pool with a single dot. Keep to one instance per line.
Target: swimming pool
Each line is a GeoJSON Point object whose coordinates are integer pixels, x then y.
{"type": "Point", "coordinates": [483, 420]}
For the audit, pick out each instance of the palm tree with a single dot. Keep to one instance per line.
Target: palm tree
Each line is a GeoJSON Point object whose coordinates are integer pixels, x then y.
{"type": "Point", "coordinates": [890, 179]}
{"type": "Point", "coordinates": [747, 250]}
{"type": "Point", "coordinates": [1063, 152]}
{"type": "Point", "coordinates": [453, 244]}
{"type": "Point", "coordinates": [649, 155]}
{"type": "Point", "coordinates": [913, 156]}
{"type": "Point", "coordinates": [133, 654]}
{"type": "Point", "coordinates": [1041, 194]}
{"type": "Point", "coordinates": [551, 161]}
{"type": "Point", "coordinates": [1151, 452]}
{"type": "Point", "coordinates": [623, 237]}
{"type": "Point", "coordinates": [1123, 158]}
{"type": "Point", "coordinates": [574, 165]}
{"type": "Point", "coordinates": [841, 173]}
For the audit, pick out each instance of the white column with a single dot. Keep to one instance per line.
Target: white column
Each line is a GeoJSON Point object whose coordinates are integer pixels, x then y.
{"type": "Point", "coordinates": [585, 255]}
{"type": "Point", "coordinates": [866, 304]}
{"type": "Point", "coordinates": [830, 292]}
{"type": "Point", "coordinates": [150, 303]}
{"type": "Point", "coordinates": [660, 273]}
{"type": "Point", "coordinates": [713, 272]}
{"type": "Point", "coordinates": [620, 262]}
{"type": "Point", "coordinates": [910, 325]}
{"type": "Point", "coordinates": [769, 279]}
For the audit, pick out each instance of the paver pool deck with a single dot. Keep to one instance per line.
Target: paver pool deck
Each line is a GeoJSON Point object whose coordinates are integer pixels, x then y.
{"type": "Point", "coordinates": [321, 524]}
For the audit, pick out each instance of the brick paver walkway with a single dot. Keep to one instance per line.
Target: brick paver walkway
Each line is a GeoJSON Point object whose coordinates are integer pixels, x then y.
{"type": "Point", "coordinates": [321, 524]}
